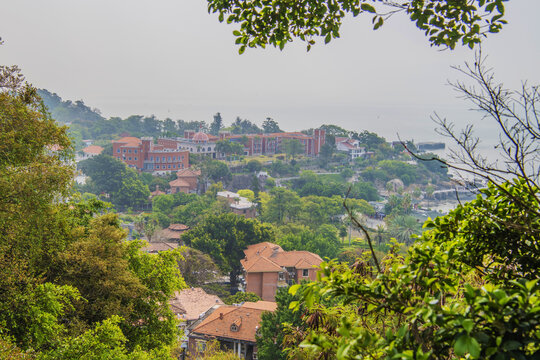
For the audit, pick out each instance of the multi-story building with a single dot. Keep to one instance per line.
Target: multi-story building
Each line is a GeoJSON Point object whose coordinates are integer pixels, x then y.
{"type": "Point", "coordinates": [267, 266]}
{"type": "Point", "coordinates": [143, 155]}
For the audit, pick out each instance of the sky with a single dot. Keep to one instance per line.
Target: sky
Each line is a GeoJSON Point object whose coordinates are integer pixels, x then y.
{"type": "Point", "coordinates": [172, 59]}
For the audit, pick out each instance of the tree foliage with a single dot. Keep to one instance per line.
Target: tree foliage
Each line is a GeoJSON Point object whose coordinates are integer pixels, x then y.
{"type": "Point", "coordinates": [224, 238]}
{"type": "Point", "coordinates": [446, 23]}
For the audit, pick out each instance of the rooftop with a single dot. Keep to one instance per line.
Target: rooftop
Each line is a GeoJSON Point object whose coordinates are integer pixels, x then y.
{"type": "Point", "coordinates": [194, 302]}
{"type": "Point", "coordinates": [246, 317]}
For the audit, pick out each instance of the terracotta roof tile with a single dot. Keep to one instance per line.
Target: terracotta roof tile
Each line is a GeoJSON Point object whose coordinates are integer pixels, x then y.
{"type": "Point", "coordinates": [260, 264]}
{"type": "Point", "coordinates": [188, 173]}
{"type": "Point", "coordinates": [194, 301]}
{"type": "Point", "coordinates": [247, 319]}
{"type": "Point", "coordinates": [93, 149]}
{"type": "Point", "coordinates": [179, 183]}
{"type": "Point", "coordinates": [129, 141]}
{"type": "Point", "coordinates": [178, 227]}
{"type": "Point", "coordinates": [268, 257]}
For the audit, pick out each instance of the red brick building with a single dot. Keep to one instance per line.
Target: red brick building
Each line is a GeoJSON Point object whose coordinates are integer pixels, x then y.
{"type": "Point", "coordinates": [144, 155]}
{"type": "Point", "coordinates": [267, 266]}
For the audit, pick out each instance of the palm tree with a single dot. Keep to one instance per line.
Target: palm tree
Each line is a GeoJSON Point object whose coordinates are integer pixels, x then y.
{"type": "Point", "coordinates": [380, 231]}
{"type": "Point", "coordinates": [403, 227]}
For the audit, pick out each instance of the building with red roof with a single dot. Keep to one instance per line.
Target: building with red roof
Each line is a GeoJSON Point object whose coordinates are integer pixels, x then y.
{"type": "Point", "coordinates": [267, 266]}
{"type": "Point", "coordinates": [235, 327]}
{"type": "Point", "coordinates": [144, 155]}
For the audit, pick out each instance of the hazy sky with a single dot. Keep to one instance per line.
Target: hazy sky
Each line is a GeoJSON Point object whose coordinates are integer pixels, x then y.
{"type": "Point", "coordinates": [172, 59]}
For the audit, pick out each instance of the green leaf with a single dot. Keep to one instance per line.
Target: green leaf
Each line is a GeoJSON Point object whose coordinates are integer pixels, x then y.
{"type": "Point", "coordinates": [468, 325]}
{"type": "Point", "coordinates": [368, 8]}
{"type": "Point", "coordinates": [466, 344]}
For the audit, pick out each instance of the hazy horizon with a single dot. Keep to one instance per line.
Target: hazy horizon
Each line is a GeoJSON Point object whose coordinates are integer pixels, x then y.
{"type": "Point", "coordinates": [172, 59]}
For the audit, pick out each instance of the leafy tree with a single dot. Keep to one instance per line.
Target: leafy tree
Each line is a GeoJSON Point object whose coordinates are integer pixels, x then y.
{"type": "Point", "coordinates": [197, 268]}
{"type": "Point", "coordinates": [323, 242]}
{"type": "Point", "coordinates": [216, 171]}
{"type": "Point", "coordinates": [245, 126]}
{"type": "Point", "coordinates": [445, 23]}
{"type": "Point", "coordinates": [325, 155]}
{"type": "Point", "coordinates": [403, 227]}
{"type": "Point", "coordinates": [292, 147]}
{"type": "Point", "coordinates": [364, 190]}
{"type": "Point", "coordinates": [97, 266]}
{"type": "Point", "coordinates": [254, 165]}
{"type": "Point", "coordinates": [225, 237]}
{"type": "Point", "coordinates": [56, 254]}
{"type": "Point", "coordinates": [270, 126]}
{"type": "Point", "coordinates": [283, 205]}
{"type": "Point", "coordinates": [240, 297]}
{"type": "Point", "coordinates": [216, 125]}
{"type": "Point", "coordinates": [133, 192]}
{"type": "Point", "coordinates": [445, 296]}
{"type": "Point", "coordinates": [270, 341]}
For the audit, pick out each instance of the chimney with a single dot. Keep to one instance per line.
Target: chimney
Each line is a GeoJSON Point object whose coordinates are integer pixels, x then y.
{"type": "Point", "coordinates": [220, 316]}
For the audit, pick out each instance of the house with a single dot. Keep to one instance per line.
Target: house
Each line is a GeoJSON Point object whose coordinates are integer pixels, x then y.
{"type": "Point", "coordinates": [186, 181]}
{"type": "Point", "coordinates": [238, 204]}
{"type": "Point", "coordinates": [351, 147]}
{"type": "Point", "coordinates": [267, 266]}
{"type": "Point", "coordinates": [235, 327]}
{"type": "Point", "coordinates": [89, 152]}
{"type": "Point", "coordinates": [191, 305]}
{"type": "Point", "coordinates": [156, 192]}
{"type": "Point", "coordinates": [155, 247]}
{"type": "Point", "coordinates": [143, 155]}
{"type": "Point", "coordinates": [173, 233]}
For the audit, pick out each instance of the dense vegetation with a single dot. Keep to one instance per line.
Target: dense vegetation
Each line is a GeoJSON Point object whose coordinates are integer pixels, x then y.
{"type": "Point", "coordinates": [71, 287]}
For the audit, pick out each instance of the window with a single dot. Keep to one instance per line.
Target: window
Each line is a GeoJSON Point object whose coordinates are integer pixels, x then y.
{"type": "Point", "coordinates": [174, 158]}
{"type": "Point", "coordinates": [124, 151]}
{"type": "Point", "coordinates": [169, 159]}
{"type": "Point", "coordinates": [135, 158]}
{"type": "Point", "coordinates": [157, 166]}
{"type": "Point", "coordinates": [281, 276]}
{"type": "Point", "coordinates": [182, 157]}
{"type": "Point", "coordinates": [117, 150]}
{"type": "Point", "coordinates": [129, 158]}
{"type": "Point", "coordinates": [129, 151]}
{"type": "Point", "coordinates": [174, 166]}
{"type": "Point", "coordinates": [135, 151]}
{"type": "Point", "coordinates": [209, 148]}
{"type": "Point", "coordinates": [163, 159]}
{"type": "Point", "coordinates": [169, 166]}
{"type": "Point", "coordinates": [151, 158]}
{"type": "Point", "coordinates": [234, 328]}
{"type": "Point", "coordinates": [201, 345]}
{"type": "Point", "coordinates": [305, 273]}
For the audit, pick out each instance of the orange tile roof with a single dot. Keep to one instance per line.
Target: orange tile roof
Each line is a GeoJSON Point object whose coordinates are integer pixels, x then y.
{"type": "Point", "coordinates": [264, 248]}
{"type": "Point", "coordinates": [194, 301]}
{"type": "Point", "coordinates": [292, 258]}
{"type": "Point", "coordinates": [188, 173]}
{"type": "Point", "coordinates": [129, 141]}
{"type": "Point", "coordinates": [93, 149]}
{"type": "Point", "coordinates": [268, 257]}
{"type": "Point", "coordinates": [260, 264]}
{"type": "Point", "coordinates": [170, 234]}
{"type": "Point", "coordinates": [179, 183]}
{"type": "Point", "coordinates": [247, 318]}
{"type": "Point", "coordinates": [261, 305]}
{"type": "Point", "coordinates": [178, 227]}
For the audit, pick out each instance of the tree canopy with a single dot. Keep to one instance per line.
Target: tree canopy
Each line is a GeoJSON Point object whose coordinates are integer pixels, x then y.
{"type": "Point", "coordinates": [445, 23]}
